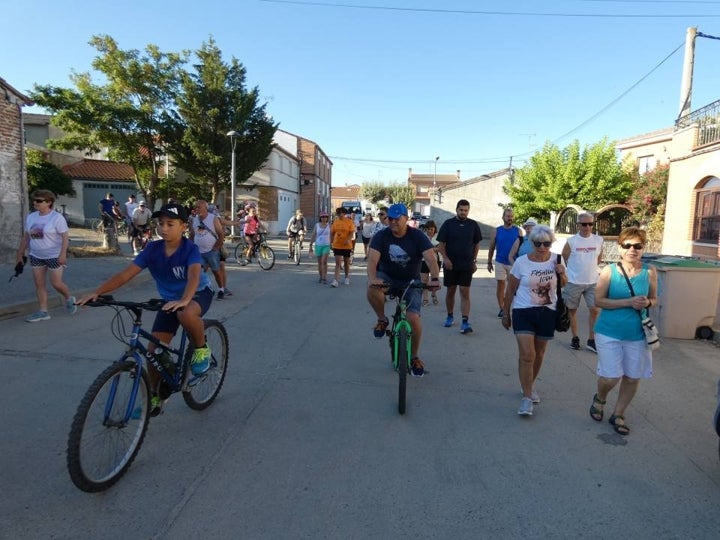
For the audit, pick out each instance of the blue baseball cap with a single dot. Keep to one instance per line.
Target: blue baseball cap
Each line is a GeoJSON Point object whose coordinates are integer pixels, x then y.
{"type": "Point", "coordinates": [397, 210]}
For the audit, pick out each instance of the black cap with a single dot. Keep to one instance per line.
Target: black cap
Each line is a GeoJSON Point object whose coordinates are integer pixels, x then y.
{"type": "Point", "coordinates": [172, 210]}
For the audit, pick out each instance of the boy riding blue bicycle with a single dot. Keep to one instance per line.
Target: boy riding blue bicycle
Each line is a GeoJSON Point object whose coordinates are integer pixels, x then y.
{"type": "Point", "coordinates": [176, 265]}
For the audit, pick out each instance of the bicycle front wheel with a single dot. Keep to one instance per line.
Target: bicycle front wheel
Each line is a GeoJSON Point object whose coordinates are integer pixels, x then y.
{"type": "Point", "coordinates": [297, 250]}
{"type": "Point", "coordinates": [109, 427]}
{"type": "Point", "coordinates": [266, 256]}
{"type": "Point", "coordinates": [240, 254]}
{"type": "Point", "coordinates": [200, 391]}
{"type": "Point", "coordinates": [403, 361]}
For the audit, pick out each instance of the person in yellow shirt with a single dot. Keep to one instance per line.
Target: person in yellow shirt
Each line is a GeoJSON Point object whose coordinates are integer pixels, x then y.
{"type": "Point", "coordinates": [342, 233]}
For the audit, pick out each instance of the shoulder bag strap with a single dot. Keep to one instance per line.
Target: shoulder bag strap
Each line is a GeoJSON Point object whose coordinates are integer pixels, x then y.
{"type": "Point", "coordinates": [627, 279]}
{"type": "Point", "coordinates": [559, 289]}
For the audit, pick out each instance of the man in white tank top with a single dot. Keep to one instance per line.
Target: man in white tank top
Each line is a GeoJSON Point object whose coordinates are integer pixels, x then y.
{"type": "Point", "coordinates": [207, 232]}
{"type": "Point", "coordinates": [582, 254]}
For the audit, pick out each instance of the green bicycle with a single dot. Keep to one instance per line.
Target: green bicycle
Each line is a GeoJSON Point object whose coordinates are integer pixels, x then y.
{"type": "Point", "coordinates": [400, 335]}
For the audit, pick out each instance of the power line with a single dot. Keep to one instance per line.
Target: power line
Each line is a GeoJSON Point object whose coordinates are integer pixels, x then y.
{"type": "Point", "coordinates": [504, 159]}
{"type": "Point", "coordinates": [499, 13]}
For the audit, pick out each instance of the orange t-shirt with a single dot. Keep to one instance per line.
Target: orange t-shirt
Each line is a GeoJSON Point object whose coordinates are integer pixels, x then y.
{"type": "Point", "coordinates": [342, 232]}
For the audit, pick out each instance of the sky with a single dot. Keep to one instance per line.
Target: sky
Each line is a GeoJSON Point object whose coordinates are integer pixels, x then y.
{"type": "Point", "coordinates": [387, 85]}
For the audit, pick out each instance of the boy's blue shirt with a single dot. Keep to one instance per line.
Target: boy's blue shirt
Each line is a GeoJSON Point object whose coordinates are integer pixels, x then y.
{"type": "Point", "coordinates": [170, 273]}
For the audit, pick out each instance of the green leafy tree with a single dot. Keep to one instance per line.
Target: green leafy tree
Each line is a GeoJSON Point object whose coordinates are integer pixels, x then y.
{"type": "Point", "coordinates": [554, 178]}
{"type": "Point", "coordinates": [402, 193]}
{"type": "Point", "coordinates": [42, 174]}
{"type": "Point", "coordinates": [214, 100]}
{"type": "Point", "coordinates": [373, 191]}
{"type": "Point", "coordinates": [128, 113]}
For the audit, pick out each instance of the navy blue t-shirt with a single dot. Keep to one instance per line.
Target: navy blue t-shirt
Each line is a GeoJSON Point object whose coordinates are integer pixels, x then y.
{"type": "Point", "coordinates": [460, 238]}
{"type": "Point", "coordinates": [171, 273]}
{"type": "Point", "coordinates": [400, 258]}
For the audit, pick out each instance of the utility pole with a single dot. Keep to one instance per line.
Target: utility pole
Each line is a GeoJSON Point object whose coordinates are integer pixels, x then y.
{"type": "Point", "coordinates": [687, 75]}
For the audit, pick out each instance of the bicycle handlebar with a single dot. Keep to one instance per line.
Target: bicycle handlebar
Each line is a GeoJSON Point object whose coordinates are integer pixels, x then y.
{"type": "Point", "coordinates": [154, 304]}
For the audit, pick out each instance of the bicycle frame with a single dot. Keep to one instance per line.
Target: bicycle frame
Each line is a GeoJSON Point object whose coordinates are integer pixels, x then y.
{"type": "Point", "coordinates": [137, 350]}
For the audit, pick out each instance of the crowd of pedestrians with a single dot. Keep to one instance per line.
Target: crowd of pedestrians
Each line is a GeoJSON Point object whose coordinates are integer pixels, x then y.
{"type": "Point", "coordinates": [396, 251]}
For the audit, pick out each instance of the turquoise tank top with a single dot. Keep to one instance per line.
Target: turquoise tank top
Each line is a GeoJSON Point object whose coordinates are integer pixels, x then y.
{"type": "Point", "coordinates": [623, 323]}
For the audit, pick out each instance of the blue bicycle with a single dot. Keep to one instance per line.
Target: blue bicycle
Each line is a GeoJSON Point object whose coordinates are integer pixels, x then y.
{"type": "Point", "coordinates": [112, 418]}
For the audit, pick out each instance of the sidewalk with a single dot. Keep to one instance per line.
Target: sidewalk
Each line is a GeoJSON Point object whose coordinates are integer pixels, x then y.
{"type": "Point", "coordinates": [83, 274]}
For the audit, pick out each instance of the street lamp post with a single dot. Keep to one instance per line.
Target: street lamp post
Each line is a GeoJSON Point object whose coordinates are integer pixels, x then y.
{"type": "Point", "coordinates": [233, 140]}
{"type": "Point", "coordinates": [434, 181]}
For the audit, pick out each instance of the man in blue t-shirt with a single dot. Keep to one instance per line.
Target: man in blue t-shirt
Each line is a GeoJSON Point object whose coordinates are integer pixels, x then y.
{"type": "Point", "coordinates": [501, 243]}
{"type": "Point", "coordinates": [394, 258]}
{"type": "Point", "coordinates": [458, 244]}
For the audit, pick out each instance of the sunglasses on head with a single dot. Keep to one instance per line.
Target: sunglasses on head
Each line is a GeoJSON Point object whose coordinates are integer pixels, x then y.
{"type": "Point", "coordinates": [546, 244]}
{"type": "Point", "coordinates": [637, 247]}
{"type": "Point", "coordinates": [585, 224]}
{"type": "Point", "coordinates": [39, 200]}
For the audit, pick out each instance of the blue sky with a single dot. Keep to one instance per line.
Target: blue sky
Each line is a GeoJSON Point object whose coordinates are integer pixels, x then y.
{"type": "Point", "coordinates": [391, 84]}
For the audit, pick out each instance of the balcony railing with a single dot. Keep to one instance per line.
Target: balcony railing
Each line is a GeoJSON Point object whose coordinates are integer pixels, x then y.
{"type": "Point", "coordinates": [708, 124]}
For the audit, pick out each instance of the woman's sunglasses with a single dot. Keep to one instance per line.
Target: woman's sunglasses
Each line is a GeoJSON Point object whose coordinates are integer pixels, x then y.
{"type": "Point", "coordinates": [546, 244]}
{"type": "Point", "coordinates": [39, 200]}
{"type": "Point", "coordinates": [637, 247]}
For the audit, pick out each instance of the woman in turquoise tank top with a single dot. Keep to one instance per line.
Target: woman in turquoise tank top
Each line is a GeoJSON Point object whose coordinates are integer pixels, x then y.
{"type": "Point", "coordinates": [623, 355]}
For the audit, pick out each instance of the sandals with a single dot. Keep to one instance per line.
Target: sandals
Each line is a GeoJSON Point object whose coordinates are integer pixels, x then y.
{"type": "Point", "coordinates": [620, 429]}
{"type": "Point", "coordinates": [435, 299]}
{"type": "Point", "coordinates": [425, 303]}
{"type": "Point", "coordinates": [595, 413]}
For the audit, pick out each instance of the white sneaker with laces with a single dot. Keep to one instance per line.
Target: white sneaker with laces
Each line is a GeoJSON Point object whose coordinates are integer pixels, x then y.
{"type": "Point", "coordinates": [334, 283]}
{"type": "Point", "coordinates": [347, 281]}
{"type": "Point", "coordinates": [526, 407]}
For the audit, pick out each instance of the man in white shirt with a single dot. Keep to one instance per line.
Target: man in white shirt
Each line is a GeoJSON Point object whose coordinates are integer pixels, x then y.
{"type": "Point", "coordinates": [582, 254]}
{"type": "Point", "coordinates": [130, 207]}
{"type": "Point", "coordinates": [140, 222]}
{"type": "Point", "coordinates": [209, 235]}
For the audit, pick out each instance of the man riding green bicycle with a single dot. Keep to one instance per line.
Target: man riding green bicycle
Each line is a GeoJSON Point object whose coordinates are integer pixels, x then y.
{"type": "Point", "coordinates": [394, 258]}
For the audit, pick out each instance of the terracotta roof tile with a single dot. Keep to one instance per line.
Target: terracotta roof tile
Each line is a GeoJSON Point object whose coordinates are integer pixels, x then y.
{"type": "Point", "coordinates": [96, 169]}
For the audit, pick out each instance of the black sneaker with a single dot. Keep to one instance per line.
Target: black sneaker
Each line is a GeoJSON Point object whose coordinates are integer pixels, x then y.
{"type": "Point", "coordinates": [501, 314]}
{"type": "Point", "coordinates": [575, 344]}
{"type": "Point", "coordinates": [380, 328]}
{"type": "Point", "coordinates": [221, 295]}
{"type": "Point", "coordinates": [591, 345]}
{"type": "Point", "coordinates": [418, 368]}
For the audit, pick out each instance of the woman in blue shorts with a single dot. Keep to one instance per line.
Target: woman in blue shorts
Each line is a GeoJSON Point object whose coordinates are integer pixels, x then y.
{"type": "Point", "coordinates": [321, 239]}
{"type": "Point", "coordinates": [532, 294]}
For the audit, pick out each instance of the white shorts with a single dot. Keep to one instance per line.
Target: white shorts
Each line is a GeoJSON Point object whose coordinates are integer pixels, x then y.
{"type": "Point", "coordinates": [617, 357]}
{"type": "Point", "coordinates": [502, 271]}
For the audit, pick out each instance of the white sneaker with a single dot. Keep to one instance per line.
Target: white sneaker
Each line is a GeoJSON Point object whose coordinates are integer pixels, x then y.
{"type": "Point", "coordinates": [526, 407]}
{"type": "Point", "coordinates": [347, 281]}
{"type": "Point", "coordinates": [334, 283]}
{"type": "Point", "coordinates": [136, 253]}
{"type": "Point", "coordinates": [533, 396]}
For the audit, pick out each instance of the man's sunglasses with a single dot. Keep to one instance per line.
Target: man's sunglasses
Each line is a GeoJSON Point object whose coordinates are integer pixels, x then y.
{"type": "Point", "coordinates": [39, 200]}
{"type": "Point", "coordinates": [586, 224]}
{"type": "Point", "coordinates": [637, 247]}
{"type": "Point", "coordinates": [546, 244]}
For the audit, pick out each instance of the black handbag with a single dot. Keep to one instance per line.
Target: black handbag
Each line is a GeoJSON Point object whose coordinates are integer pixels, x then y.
{"type": "Point", "coordinates": [562, 315]}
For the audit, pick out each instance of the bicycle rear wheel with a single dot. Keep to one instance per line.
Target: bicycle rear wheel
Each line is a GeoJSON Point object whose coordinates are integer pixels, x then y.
{"type": "Point", "coordinates": [266, 256]}
{"type": "Point", "coordinates": [200, 391]}
{"type": "Point", "coordinates": [240, 255]}
{"type": "Point", "coordinates": [403, 360]}
{"type": "Point", "coordinates": [105, 436]}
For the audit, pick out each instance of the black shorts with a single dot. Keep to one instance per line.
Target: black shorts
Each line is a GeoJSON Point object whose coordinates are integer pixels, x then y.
{"type": "Point", "coordinates": [453, 278]}
{"type": "Point", "coordinates": [536, 321]}
{"type": "Point", "coordinates": [346, 253]}
{"type": "Point", "coordinates": [166, 321]}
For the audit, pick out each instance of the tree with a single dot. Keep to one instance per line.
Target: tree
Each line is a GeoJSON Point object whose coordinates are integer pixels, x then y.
{"type": "Point", "coordinates": [129, 113]}
{"type": "Point", "coordinates": [648, 201]}
{"type": "Point", "coordinates": [373, 191]}
{"type": "Point", "coordinates": [42, 174]}
{"type": "Point", "coordinates": [398, 193]}
{"type": "Point", "coordinates": [591, 178]}
{"type": "Point", "coordinates": [213, 100]}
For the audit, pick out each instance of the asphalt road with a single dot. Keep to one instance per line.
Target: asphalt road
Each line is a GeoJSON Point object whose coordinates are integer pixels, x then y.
{"type": "Point", "coordinates": [305, 441]}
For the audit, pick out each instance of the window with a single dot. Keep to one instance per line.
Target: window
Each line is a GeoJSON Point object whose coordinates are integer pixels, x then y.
{"type": "Point", "coordinates": [707, 212]}
{"type": "Point", "coordinates": [646, 164]}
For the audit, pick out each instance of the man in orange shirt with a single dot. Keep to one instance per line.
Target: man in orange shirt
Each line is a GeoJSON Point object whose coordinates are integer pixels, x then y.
{"type": "Point", "coordinates": [342, 233]}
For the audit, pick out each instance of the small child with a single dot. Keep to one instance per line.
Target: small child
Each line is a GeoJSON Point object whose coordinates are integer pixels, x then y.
{"type": "Point", "coordinates": [175, 264]}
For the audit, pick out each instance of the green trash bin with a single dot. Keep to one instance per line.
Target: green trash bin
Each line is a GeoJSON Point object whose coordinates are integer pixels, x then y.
{"type": "Point", "coordinates": [687, 297]}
